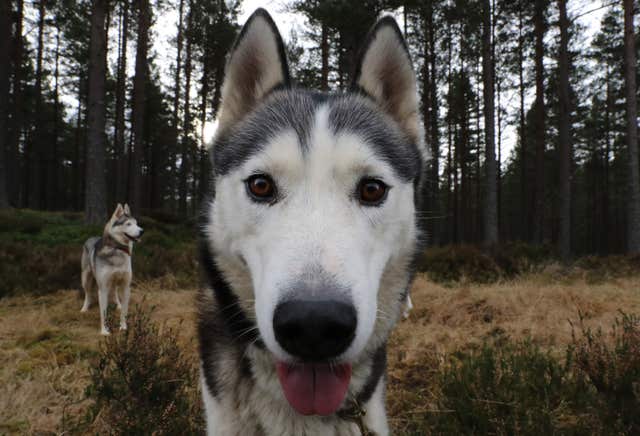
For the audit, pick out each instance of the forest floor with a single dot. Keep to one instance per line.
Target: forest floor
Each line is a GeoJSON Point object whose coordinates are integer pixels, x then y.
{"type": "Point", "coordinates": [47, 345]}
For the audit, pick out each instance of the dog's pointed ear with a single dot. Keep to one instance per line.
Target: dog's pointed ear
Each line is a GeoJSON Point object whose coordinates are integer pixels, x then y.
{"type": "Point", "coordinates": [127, 211]}
{"type": "Point", "coordinates": [385, 73]}
{"type": "Point", "coordinates": [257, 64]}
{"type": "Point", "coordinates": [119, 211]}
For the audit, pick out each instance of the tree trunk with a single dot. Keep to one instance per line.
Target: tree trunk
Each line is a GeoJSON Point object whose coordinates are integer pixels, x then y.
{"type": "Point", "coordinates": [538, 198]}
{"type": "Point", "coordinates": [564, 237]}
{"type": "Point", "coordinates": [5, 48]}
{"type": "Point", "coordinates": [324, 50]}
{"type": "Point", "coordinates": [184, 155]}
{"type": "Point", "coordinates": [497, 81]}
{"type": "Point", "coordinates": [96, 188]}
{"type": "Point", "coordinates": [525, 230]}
{"type": "Point", "coordinates": [605, 242]}
{"type": "Point", "coordinates": [52, 184]}
{"type": "Point", "coordinates": [77, 175]}
{"type": "Point", "coordinates": [491, 201]}
{"type": "Point", "coordinates": [36, 152]}
{"type": "Point", "coordinates": [18, 190]}
{"type": "Point", "coordinates": [451, 209]}
{"type": "Point", "coordinates": [120, 154]}
{"type": "Point", "coordinates": [139, 103]}
{"type": "Point", "coordinates": [633, 211]}
{"type": "Point", "coordinates": [176, 87]}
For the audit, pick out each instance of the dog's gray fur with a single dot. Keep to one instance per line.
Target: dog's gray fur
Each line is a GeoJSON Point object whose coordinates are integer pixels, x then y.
{"type": "Point", "coordinates": [106, 265]}
{"type": "Point", "coordinates": [241, 392]}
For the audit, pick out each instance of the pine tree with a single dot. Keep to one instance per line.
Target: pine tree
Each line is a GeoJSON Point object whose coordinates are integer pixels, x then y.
{"type": "Point", "coordinates": [139, 104]}
{"type": "Point", "coordinates": [120, 152]}
{"type": "Point", "coordinates": [491, 205]}
{"type": "Point", "coordinates": [540, 123]}
{"type": "Point", "coordinates": [96, 191]}
{"type": "Point", "coordinates": [5, 59]}
{"type": "Point", "coordinates": [633, 239]}
{"type": "Point", "coordinates": [565, 148]}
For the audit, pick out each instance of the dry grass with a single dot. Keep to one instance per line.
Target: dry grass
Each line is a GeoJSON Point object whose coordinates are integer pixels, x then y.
{"type": "Point", "coordinates": [46, 343]}
{"type": "Point", "coordinates": [45, 348]}
{"type": "Point", "coordinates": [445, 318]}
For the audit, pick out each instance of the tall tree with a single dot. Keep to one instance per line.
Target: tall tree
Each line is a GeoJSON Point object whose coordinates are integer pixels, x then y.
{"type": "Point", "coordinates": [120, 154]}
{"type": "Point", "coordinates": [633, 239]}
{"type": "Point", "coordinates": [17, 111]}
{"type": "Point", "coordinates": [5, 62]}
{"type": "Point", "coordinates": [540, 126]}
{"type": "Point", "coordinates": [565, 148]}
{"type": "Point", "coordinates": [324, 55]}
{"type": "Point", "coordinates": [177, 82]}
{"type": "Point", "coordinates": [53, 161]}
{"type": "Point", "coordinates": [524, 204]}
{"type": "Point", "coordinates": [36, 156]}
{"type": "Point", "coordinates": [185, 144]}
{"type": "Point", "coordinates": [138, 115]}
{"type": "Point", "coordinates": [96, 191]}
{"type": "Point", "coordinates": [491, 200]}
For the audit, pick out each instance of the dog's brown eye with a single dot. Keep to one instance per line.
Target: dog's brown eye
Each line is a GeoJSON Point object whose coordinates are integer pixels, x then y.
{"type": "Point", "coordinates": [372, 192]}
{"type": "Point", "coordinates": [261, 187]}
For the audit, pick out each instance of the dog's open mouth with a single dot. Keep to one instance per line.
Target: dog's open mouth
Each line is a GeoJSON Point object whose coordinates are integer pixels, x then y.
{"type": "Point", "coordinates": [314, 388]}
{"type": "Point", "coordinates": [131, 238]}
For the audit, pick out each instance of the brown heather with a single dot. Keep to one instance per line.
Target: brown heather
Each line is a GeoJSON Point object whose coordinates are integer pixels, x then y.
{"type": "Point", "coordinates": [47, 348]}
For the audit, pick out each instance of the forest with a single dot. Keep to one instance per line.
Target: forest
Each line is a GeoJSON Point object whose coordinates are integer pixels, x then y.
{"type": "Point", "coordinates": [531, 124]}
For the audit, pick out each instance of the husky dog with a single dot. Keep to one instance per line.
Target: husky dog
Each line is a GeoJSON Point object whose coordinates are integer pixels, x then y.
{"type": "Point", "coordinates": [309, 240]}
{"type": "Point", "coordinates": [106, 262]}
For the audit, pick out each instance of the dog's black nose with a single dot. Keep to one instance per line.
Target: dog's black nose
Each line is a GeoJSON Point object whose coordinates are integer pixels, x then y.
{"type": "Point", "coordinates": [141, 231]}
{"type": "Point", "coordinates": [315, 330]}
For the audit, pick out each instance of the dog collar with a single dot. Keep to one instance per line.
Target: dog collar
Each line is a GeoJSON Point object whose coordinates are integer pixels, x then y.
{"type": "Point", "coordinates": [355, 413]}
{"type": "Point", "coordinates": [124, 248]}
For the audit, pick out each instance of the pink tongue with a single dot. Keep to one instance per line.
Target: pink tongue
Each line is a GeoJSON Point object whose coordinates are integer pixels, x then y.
{"type": "Point", "coordinates": [314, 389]}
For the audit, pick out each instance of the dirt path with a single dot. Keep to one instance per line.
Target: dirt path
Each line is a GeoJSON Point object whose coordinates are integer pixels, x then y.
{"type": "Point", "coordinates": [46, 344]}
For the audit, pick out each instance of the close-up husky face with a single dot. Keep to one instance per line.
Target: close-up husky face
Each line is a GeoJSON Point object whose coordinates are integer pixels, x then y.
{"type": "Point", "coordinates": [312, 226]}
{"type": "Point", "coordinates": [122, 227]}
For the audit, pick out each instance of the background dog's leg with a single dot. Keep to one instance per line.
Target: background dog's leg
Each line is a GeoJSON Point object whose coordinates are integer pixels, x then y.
{"type": "Point", "coordinates": [88, 285]}
{"type": "Point", "coordinates": [103, 301]}
{"type": "Point", "coordinates": [125, 307]}
{"type": "Point", "coordinates": [116, 298]}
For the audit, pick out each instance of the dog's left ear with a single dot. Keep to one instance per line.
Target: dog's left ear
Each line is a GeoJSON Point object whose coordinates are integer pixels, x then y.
{"type": "Point", "coordinates": [384, 72]}
{"type": "Point", "coordinates": [257, 64]}
{"type": "Point", "coordinates": [127, 211]}
{"type": "Point", "coordinates": [119, 211]}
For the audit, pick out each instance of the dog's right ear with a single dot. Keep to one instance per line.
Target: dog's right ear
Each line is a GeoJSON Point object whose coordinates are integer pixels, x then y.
{"type": "Point", "coordinates": [257, 64]}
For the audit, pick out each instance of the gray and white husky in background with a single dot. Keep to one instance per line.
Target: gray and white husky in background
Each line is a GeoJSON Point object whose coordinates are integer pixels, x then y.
{"type": "Point", "coordinates": [106, 264]}
{"type": "Point", "coordinates": [309, 239]}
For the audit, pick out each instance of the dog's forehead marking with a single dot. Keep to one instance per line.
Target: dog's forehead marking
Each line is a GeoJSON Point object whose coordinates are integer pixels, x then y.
{"type": "Point", "coordinates": [303, 112]}
{"type": "Point", "coordinates": [122, 220]}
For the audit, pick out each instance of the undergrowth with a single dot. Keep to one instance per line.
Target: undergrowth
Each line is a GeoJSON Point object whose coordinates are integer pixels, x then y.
{"type": "Point", "coordinates": [453, 264]}
{"type": "Point", "coordinates": [142, 382]}
{"type": "Point", "coordinates": [510, 387]}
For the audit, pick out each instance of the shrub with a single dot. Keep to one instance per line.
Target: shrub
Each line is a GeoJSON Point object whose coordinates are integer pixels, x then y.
{"type": "Point", "coordinates": [143, 383]}
{"type": "Point", "coordinates": [612, 364]}
{"type": "Point", "coordinates": [454, 263]}
{"type": "Point", "coordinates": [512, 389]}
{"type": "Point", "coordinates": [602, 268]}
